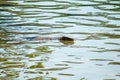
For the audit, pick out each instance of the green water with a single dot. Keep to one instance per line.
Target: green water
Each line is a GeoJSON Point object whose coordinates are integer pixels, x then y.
{"type": "Point", "coordinates": [94, 25]}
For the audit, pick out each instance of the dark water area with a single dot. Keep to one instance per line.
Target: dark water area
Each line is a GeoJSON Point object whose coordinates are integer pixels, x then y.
{"type": "Point", "coordinates": [94, 25]}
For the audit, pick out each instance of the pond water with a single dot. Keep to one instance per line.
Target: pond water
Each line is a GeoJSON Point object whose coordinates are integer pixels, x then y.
{"type": "Point", "coordinates": [94, 25]}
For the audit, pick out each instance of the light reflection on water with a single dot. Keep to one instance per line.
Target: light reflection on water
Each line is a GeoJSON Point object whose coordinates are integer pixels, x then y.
{"type": "Point", "coordinates": [94, 24]}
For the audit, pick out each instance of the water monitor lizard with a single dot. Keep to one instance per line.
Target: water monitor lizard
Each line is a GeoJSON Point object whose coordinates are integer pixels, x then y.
{"type": "Point", "coordinates": [63, 39]}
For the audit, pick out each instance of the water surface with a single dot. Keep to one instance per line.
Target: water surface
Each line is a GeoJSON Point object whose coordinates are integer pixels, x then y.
{"type": "Point", "coordinates": [94, 24]}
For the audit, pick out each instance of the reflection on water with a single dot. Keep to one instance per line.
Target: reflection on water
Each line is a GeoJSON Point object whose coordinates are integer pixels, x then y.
{"type": "Point", "coordinates": [94, 24]}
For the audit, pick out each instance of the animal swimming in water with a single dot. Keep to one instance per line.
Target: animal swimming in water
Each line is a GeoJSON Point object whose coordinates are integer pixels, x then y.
{"type": "Point", "coordinates": [63, 39]}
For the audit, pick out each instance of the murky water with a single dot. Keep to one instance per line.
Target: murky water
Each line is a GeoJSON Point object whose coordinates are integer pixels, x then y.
{"type": "Point", "coordinates": [94, 24]}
